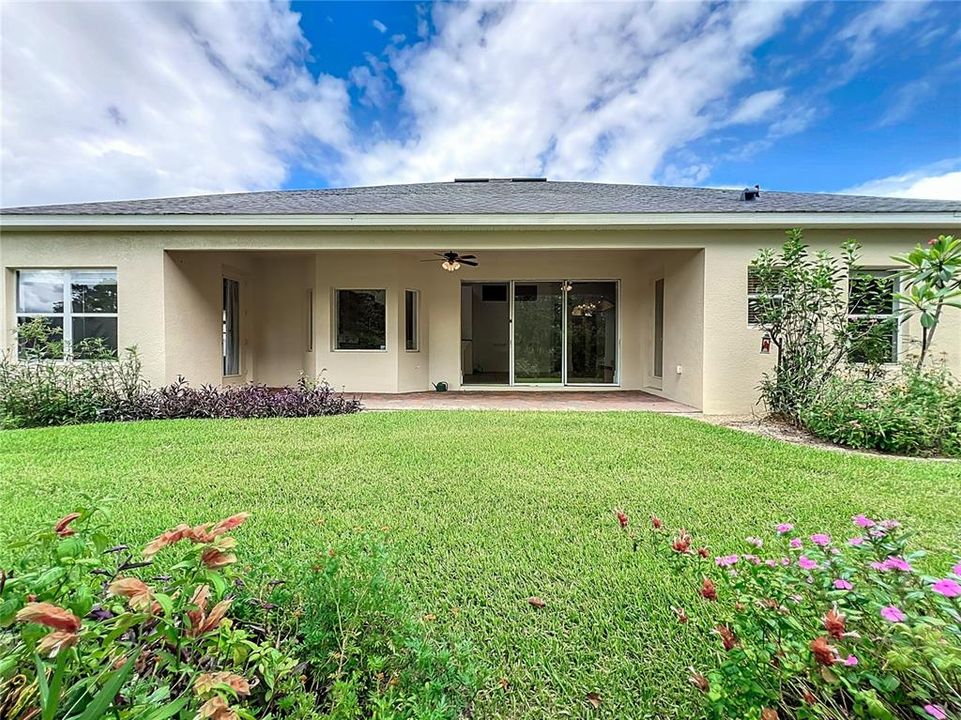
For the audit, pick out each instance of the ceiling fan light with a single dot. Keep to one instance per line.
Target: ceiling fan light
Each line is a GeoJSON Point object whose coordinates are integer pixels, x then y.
{"type": "Point", "coordinates": [448, 266]}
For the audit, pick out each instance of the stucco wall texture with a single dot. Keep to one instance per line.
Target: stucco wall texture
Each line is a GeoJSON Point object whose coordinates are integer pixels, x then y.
{"type": "Point", "coordinates": [170, 304]}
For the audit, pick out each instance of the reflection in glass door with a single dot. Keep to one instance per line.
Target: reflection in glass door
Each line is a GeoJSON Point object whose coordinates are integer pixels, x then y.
{"type": "Point", "coordinates": [538, 332]}
{"type": "Point", "coordinates": [591, 333]}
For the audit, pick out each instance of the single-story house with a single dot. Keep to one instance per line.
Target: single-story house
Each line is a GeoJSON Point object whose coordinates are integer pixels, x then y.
{"type": "Point", "coordinates": [547, 285]}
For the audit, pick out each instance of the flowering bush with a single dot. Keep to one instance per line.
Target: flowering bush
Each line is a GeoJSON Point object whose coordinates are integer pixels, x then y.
{"type": "Point", "coordinates": [90, 630]}
{"type": "Point", "coordinates": [819, 627]}
{"type": "Point", "coordinates": [82, 633]}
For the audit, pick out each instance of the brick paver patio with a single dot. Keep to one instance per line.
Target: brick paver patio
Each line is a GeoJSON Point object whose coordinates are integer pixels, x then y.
{"type": "Point", "coordinates": [524, 400]}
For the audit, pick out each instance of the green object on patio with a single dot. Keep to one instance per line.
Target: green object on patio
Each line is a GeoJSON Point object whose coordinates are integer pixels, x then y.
{"type": "Point", "coordinates": [440, 386]}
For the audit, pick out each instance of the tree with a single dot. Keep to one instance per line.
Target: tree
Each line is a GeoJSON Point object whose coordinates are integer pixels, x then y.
{"type": "Point", "coordinates": [802, 305]}
{"type": "Point", "coordinates": [932, 281]}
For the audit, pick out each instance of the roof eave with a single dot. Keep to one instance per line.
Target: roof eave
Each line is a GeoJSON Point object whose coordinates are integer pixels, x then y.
{"type": "Point", "coordinates": [736, 220]}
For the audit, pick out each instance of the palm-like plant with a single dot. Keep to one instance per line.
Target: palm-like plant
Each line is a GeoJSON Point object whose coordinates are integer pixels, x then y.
{"type": "Point", "coordinates": [932, 281]}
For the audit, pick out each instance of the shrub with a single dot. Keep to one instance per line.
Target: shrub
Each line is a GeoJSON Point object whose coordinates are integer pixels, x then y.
{"type": "Point", "coordinates": [90, 630]}
{"type": "Point", "coordinates": [915, 412]}
{"type": "Point", "coordinates": [179, 400]}
{"type": "Point", "coordinates": [42, 390]}
{"type": "Point", "coordinates": [819, 628]}
{"type": "Point", "coordinates": [802, 306]}
{"type": "Point", "coordinates": [83, 636]}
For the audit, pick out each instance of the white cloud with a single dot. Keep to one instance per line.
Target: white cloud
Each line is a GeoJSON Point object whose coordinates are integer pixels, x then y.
{"type": "Point", "coordinates": [379, 26]}
{"type": "Point", "coordinates": [865, 31]}
{"type": "Point", "coordinates": [585, 90]}
{"type": "Point", "coordinates": [757, 107]}
{"type": "Point", "coordinates": [940, 181]}
{"type": "Point", "coordinates": [120, 100]}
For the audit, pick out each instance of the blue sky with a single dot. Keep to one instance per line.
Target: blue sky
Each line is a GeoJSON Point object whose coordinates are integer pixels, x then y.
{"type": "Point", "coordinates": [123, 100]}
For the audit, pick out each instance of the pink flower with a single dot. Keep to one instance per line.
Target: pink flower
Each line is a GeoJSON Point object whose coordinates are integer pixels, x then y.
{"type": "Point", "coordinates": [821, 539]}
{"type": "Point", "coordinates": [754, 559]}
{"type": "Point", "coordinates": [771, 562]}
{"type": "Point", "coordinates": [850, 661]}
{"type": "Point", "coordinates": [855, 541]}
{"type": "Point", "coordinates": [796, 543]}
{"type": "Point", "coordinates": [726, 560]}
{"type": "Point", "coordinates": [890, 524]}
{"type": "Point", "coordinates": [893, 614]}
{"type": "Point", "coordinates": [892, 563]}
{"type": "Point", "coordinates": [784, 528]}
{"type": "Point", "coordinates": [947, 587]}
{"type": "Point", "coordinates": [957, 570]}
{"type": "Point", "coordinates": [755, 541]}
{"type": "Point", "coordinates": [936, 711]}
{"type": "Point", "coordinates": [806, 563]}
{"type": "Point", "coordinates": [841, 584]}
{"type": "Point", "coordinates": [863, 521]}
{"type": "Point", "coordinates": [785, 561]}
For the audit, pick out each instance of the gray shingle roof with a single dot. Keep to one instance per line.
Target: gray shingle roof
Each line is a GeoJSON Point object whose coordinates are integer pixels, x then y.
{"type": "Point", "coordinates": [495, 197]}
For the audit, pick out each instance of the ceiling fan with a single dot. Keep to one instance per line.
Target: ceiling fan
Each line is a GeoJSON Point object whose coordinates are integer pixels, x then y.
{"type": "Point", "coordinates": [452, 260]}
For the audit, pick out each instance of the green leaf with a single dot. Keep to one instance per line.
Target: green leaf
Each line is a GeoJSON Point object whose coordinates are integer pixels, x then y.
{"type": "Point", "coordinates": [168, 710]}
{"type": "Point", "coordinates": [53, 691]}
{"type": "Point", "coordinates": [102, 701]}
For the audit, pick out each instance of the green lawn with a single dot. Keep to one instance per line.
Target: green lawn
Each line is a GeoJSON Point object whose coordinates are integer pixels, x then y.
{"type": "Point", "coordinates": [486, 509]}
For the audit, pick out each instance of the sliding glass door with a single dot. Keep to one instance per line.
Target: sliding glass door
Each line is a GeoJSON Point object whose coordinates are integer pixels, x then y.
{"type": "Point", "coordinates": [538, 332]}
{"type": "Point", "coordinates": [555, 332]}
{"type": "Point", "coordinates": [591, 333]}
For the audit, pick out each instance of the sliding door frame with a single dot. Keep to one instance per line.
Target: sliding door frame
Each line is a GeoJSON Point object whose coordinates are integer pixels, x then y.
{"type": "Point", "coordinates": [563, 283]}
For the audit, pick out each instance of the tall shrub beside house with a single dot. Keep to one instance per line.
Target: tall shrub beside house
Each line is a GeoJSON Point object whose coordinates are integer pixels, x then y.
{"type": "Point", "coordinates": [835, 348]}
{"type": "Point", "coordinates": [801, 305]}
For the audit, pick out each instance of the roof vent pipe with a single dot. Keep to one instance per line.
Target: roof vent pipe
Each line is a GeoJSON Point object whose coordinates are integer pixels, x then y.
{"type": "Point", "coordinates": [749, 194]}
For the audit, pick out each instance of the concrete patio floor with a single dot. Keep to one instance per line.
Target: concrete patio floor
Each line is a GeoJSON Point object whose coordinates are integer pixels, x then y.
{"type": "Point", "coordinates": [524, 400]}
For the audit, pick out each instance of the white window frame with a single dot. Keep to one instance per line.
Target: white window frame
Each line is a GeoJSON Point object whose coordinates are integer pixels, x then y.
{"type": "Point", "coordinates": [416, 294]}
{"type": "Point", "coordinates": [68, 314]}
{"type": "Point", "coordinates": [754, 296]}
{"type": "Point", "coordinates": [335, 320]}
{"type": "Point", "coordinates": [895, 273]}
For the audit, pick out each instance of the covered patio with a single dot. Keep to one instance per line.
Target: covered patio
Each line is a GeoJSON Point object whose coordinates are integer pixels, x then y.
{"type": "Point", "coordinates": [591, 400]}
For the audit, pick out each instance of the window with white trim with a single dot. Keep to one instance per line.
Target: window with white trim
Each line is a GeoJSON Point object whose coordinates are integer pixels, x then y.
{"type": "Point", "coordinates": [873, 314]}
{"type": "Point", "coordinates": [360, 319]}
{"type": "Point", "coordinates": [79, 307]}
{"type": "Point", "coordinates": [756, 295]}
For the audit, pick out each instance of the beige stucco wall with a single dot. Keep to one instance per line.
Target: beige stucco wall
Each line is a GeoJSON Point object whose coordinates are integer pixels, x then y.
{"type": "Point", "coordinates": [170, 298]}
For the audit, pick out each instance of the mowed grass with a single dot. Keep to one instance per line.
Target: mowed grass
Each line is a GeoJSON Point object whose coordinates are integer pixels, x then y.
{"type": "Point", "coordinates": [486, 509]}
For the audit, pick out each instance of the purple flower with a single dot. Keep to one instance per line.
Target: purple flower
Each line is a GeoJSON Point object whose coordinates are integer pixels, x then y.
{"type": "Point", "coordinates": [784, 528]}
{"type": "Point", "coordinates": [936, 711]}
{"type": "Point", "coordinates": [957, 569]}
{"type": "Point", "coordinates": [893, 614]}
{"type": "Point", "coordinates": [771, 562]}
{"type": "Point", "coordinates": [726, 560]}
{"type": "Point", "coordinates": [821, 539]}
{"type": "Point", "coordinates": [855, 541]}
{"type": "Point", "coordinates": [755, 541]}
{"type": "Point", "coordinates": [851, 661]}
{"type": "Point", "coordinates": [754, 559]}
{"type": "Point", "coordinates": [947, 587]}
{"type": "Point", "coordinates": [890, 524]}
{"type": "Point", "coordinates": [796, 543]}
{"type": "Point", "coordinates": [806, 563]}
{"type": "Point", "coordinates": [785, 561]}
{"type": "Point", "coordinates": [863, 521]}
{"type": "Point", "coordinates": [842, 584]}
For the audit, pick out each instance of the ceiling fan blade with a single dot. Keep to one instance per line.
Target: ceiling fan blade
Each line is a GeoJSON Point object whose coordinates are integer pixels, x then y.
{"type": "Point", "coordinates": [468, 262]}
{"type": "Point", "coordinates": [468, 257]}
{"type": "Point", "coordinates": [428, 261]}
